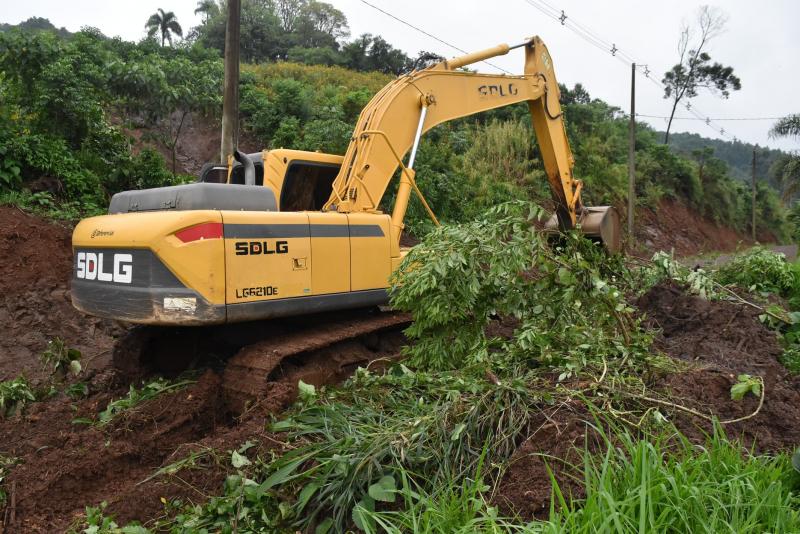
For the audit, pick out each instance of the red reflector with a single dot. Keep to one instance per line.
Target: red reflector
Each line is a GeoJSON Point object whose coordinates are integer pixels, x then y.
{"type": "Point", "coordinates": [200, 231]}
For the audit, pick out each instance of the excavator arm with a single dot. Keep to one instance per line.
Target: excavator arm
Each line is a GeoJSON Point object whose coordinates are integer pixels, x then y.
{"type": "Point", "coordinates": [396, 117]}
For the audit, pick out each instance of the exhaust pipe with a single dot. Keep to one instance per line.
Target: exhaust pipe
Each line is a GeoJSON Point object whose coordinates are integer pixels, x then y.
{"type": "Point", "coordinates": [249, 168]}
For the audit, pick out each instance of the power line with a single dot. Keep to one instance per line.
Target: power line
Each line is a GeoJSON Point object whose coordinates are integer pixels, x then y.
{"type": "Point", "coordinates": [709, 119]}
{"type": "Point", "coordinates": [420, 30]}
{"type": "Point", "coordinates": [610, 47]}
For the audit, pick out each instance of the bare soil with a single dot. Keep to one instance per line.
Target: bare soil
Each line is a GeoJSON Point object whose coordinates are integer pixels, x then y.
{"type": "Point", "coordinates": [36, 260]}
{"type": "Point", "coordinates": [674, 226]}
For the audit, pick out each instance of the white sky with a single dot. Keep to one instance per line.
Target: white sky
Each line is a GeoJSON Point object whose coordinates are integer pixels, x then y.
{"type": "Point", "coordinates": [761, 43]}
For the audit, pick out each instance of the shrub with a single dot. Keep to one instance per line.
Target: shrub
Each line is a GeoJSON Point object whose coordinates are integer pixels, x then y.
{"type": "Point", "coordinates": [761, 270]}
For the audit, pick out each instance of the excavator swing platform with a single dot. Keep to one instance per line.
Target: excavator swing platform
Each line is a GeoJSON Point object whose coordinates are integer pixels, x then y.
{"type": "Point", "coordinates": [290, 240]}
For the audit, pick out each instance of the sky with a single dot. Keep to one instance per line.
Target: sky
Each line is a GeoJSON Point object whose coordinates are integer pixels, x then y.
{"type": "Point", "coordinates": [761, 42]}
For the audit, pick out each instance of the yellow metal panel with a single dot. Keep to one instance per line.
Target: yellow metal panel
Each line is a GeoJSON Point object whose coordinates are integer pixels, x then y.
{"type": "Point", "coordinates": [199, 265]}
{"type": "Point", "coordinates": [267, 255]}
{"type": "Point", "coordinates": [330, 252]}
{"type": "Point", "coordinates": [370, 254]}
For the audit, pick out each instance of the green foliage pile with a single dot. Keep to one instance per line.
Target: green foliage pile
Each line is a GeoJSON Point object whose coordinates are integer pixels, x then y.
{"type": "Point", "coordinates": [565, 298]}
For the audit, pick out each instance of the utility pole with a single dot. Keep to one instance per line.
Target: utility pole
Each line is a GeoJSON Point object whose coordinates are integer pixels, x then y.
{"type": "Point", "coordinates": [632, 155]}
{"type": "Point", "coordinates": [230, 102]}
{"type": "Point", "coordinates": [754, 195]}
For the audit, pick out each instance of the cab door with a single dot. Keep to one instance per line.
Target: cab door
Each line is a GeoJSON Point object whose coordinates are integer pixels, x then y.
{"type": "Point", "coordinates": [267, 256]}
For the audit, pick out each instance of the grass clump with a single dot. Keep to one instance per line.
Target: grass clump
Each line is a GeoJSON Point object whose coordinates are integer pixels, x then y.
{"type": "Point", "coordinates": [137, 396]}
{"type": "Point", "coordinates": [665, 484]}
{"type": "Point", "coordinates": [14, 396]}
{"type": "Point", "coordinates": [60, 358]}
{"type": "Point", "coordinates": [380, 429]}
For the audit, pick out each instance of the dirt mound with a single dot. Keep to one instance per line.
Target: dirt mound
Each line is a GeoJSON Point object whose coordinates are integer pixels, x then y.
{"type": "Point", "coordinates": [37, 262]}
{"type": "Point", "coordinates": [672, 225]}
{"type": "Point", "coordinates": [66, 465]}
{"type": "Point", "coordinates": [556, 444]}
{"type": "Point", "coordinates": [720, 340]}
{"type": "Point", "coordinates": [725, 340]}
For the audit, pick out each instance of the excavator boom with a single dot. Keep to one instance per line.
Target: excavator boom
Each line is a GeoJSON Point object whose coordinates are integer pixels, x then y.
{"type": "Point", "coordinates": [393, 121]}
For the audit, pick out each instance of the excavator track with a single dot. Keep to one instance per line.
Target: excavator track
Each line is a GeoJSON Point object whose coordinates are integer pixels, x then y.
{"type": "Point", "coordinates": [317, 354]}
{"type": "Point", "coordinates": [264, 360]}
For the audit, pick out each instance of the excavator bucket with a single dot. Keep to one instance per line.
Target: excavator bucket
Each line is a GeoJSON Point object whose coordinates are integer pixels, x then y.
{"type": "Point", "coordinates": [599, 223]}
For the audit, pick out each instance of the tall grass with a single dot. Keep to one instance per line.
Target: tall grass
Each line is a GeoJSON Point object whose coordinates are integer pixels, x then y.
{"type": "Point", "coordinates": [355, 448]}
{"type": "Point", "coordinates": [659, 484]}
{"type": "Point", "coordinates": [668, 485]}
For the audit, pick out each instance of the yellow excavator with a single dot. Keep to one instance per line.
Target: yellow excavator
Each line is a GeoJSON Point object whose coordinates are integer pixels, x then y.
{"type": "Point", "coordinates": [291, 233]}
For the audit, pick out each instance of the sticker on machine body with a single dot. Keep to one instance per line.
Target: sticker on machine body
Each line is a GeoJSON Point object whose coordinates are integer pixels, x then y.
{"type": "Point", "coordinates": [124, 267]}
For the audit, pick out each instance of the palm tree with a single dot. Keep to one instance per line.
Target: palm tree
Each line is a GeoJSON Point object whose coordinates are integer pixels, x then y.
{"type": "Point", "coordinates": [208, 8]}
{"type": "Point", "coordinates": [787, 168]}
{"type": "Point", "coordinates": [165, 23]}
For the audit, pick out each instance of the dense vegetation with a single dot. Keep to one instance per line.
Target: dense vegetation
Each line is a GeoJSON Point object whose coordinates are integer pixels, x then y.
{"type": "Point", "coordinates": [67, 103]}
{"type": "Point", "coordinates": [737, 154]}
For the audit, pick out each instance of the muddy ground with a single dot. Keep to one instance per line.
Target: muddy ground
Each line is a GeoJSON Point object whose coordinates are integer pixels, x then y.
{"type": "Point", "coordinates": [65, 465]}
{"type": "Point", "coordinates": [718, 341]}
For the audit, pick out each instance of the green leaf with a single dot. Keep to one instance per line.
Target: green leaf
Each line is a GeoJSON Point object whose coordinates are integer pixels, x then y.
{"type": "Point", "coordinates": [306, 392]}
{"type": "Point", "coordinates": [744, 385]}
{"type": "Point", "coordinates": [281, 476]}
{"type": "Point", "coordinates": [305, 495]}
{"type": "Point", "coordinates": [324, 527]}
{"type": "Point", "coordinates": [75, 367]}
{"type": "Point", "coordinates": [360, 513]}
{"type": "Point", "coordinates": [239, 460]}
{"type": "Point", "coordinates": [796, 459]}
{"type": "Point", "coordinates": [457, 431]}
{"type": "Point", "coordinates": [384, 490]}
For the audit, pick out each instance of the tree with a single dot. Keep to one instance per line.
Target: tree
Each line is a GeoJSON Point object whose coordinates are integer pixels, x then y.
{"type": "Point", "coordinates": [259, 30]}
{"type": "Point", "coordinates": [320, 25]}
{"type": "Point", "coordinates": [208, 8]}
{"type": "Point", "coordinates": [787, 168]}
{"type": "Point", "coordinates": [164, 23]}
{"type": "Point", "coordinates": [789, 126]}
{"type": "Point", "coordinates": [368, 52]}
{"type": "Point", "coordinates": [694, 70]}
{"type": "Point", "coordinates": [287, 11]}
